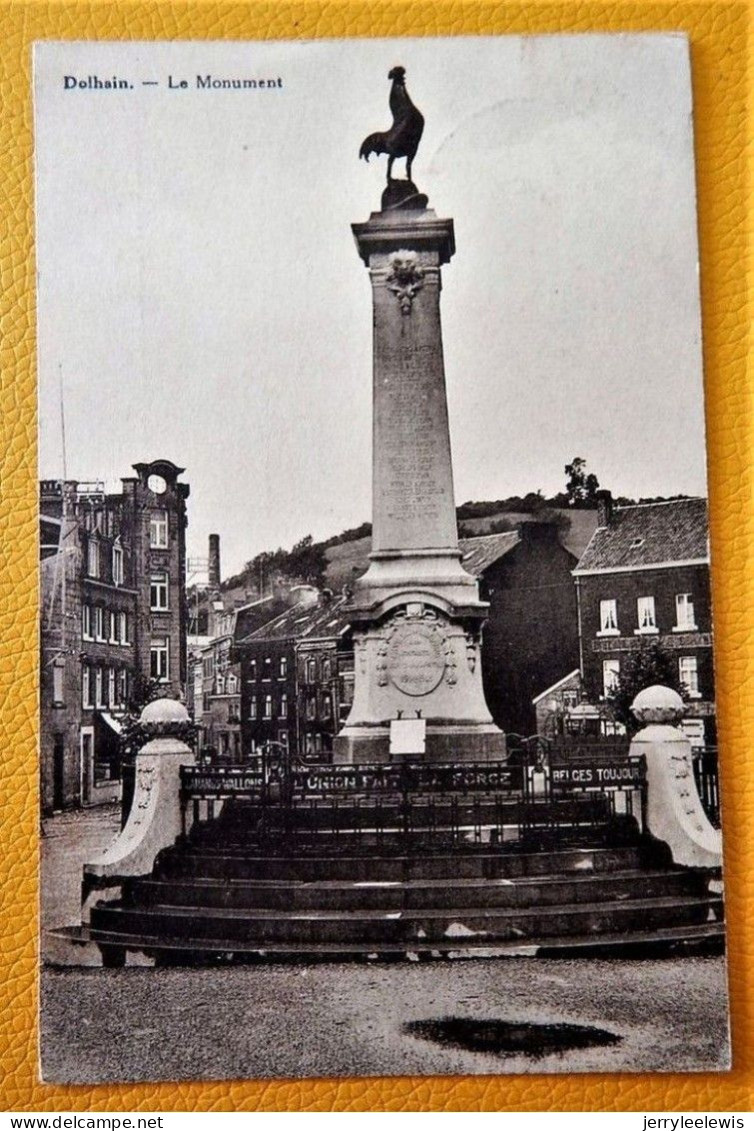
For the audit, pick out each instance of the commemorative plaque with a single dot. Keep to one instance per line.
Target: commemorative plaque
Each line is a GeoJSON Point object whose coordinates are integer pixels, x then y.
{"type": "Point", "coordinates": [416, 659]}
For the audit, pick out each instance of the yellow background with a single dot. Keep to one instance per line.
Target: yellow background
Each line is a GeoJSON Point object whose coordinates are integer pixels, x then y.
{"type": "Point", "coordinates": [722, 71]}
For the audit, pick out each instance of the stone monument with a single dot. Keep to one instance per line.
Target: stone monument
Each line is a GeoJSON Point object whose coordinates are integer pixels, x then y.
{"type": "Point", "coordinates": [416, 613]}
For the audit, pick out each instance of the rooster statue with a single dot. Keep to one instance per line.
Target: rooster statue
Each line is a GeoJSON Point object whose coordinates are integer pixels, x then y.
{"type": "Point", "coordinates": [402, 139]}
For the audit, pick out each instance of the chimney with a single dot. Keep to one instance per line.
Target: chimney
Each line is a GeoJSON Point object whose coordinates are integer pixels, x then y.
{"type": "Point", "coordinates": [213, 571]}
{"type": "Point", "coordinates": [604, 509]}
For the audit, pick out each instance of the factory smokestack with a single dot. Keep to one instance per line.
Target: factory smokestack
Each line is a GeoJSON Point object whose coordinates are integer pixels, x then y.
{"type": "Point", "coordinates": [213, 573]}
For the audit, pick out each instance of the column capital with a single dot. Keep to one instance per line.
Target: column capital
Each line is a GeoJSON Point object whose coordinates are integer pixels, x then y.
{"type": "Point", "coordinates": [417, 230]}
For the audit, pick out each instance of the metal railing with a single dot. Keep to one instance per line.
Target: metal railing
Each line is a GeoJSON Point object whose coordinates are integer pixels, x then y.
{"type": "Point", "coordinates": [440, 805]}
{"type": "Point", "coordinates": [707, 778]}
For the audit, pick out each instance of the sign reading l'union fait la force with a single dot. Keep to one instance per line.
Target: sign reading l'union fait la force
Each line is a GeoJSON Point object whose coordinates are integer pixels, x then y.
{"type": "Point", "coordinates": [320, 780]}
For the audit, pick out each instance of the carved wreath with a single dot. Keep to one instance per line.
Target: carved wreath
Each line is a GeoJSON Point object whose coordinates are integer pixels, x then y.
{"type": "Point", "coordinates": [405, 279]}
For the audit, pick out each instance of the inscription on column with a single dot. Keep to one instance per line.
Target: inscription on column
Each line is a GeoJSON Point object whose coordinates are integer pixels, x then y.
{"type": "Point", "coordinates": [414, 439]}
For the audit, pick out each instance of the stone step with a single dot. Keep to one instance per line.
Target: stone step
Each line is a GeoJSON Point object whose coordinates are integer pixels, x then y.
{"type": "Point", "coordinates": [188, 861]}
{"type": "Point", "coordinates": [188, 949]}
{"type": "Point", "coordinates": [441, 926]}
{"type": "Point", "coordinates": [522, 891]}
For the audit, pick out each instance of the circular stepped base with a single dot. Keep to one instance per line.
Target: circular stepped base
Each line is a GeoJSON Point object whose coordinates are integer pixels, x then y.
{"type": "Point", "coordinates": [221, 895]}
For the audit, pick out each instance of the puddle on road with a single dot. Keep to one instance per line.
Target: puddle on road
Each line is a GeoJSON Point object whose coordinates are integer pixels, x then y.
{"type": "Point", "coordinates": [509, 1038]}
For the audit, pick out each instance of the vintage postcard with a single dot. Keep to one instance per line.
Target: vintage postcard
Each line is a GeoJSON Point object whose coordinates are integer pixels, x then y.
{"type": "Point", "coordinates": [364, 752]}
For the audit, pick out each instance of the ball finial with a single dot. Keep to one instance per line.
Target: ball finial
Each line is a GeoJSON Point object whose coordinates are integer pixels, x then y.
{"type": "Point", "coordinates": [658, 704]}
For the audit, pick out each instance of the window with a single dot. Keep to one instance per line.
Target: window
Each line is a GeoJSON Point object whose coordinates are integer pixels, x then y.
{"type": "Point", "coordinates": [159, 658]}
{"type": "Point", "coordinates": [231, 684]}
{"type": "Point", "coordinates": [326, 670]}
{"type": "Point", "coordinates": [268, 706]}
{"type": "Point", "coordinates": [124, 628]}
{"type": "Point", "coordinates": [311, 671]}
{"type": "Point", "coordinates": [220, 681]}
{"type": "Point", "coordinates": [608, 618]}
{"type": "Point", "coordinates": [283, 706]}
{"type": "Point", "coordinates": [58, 670]}
{"type": "Point", "coordinates": [86, 622]}
{"type": "Point", "coordinates": [684, 613]}
{"type": "Point", "coordinates": [253, 707]}
{"type": "Point", "coordinates": [86, 687]}
{"type": "Point", "coordinates": [117, 565]}
{"type": "Point", "coordinates": [645, 611]}
{"type": "Point", "coordinates": [267, 668]}
{"type": "Point", "coordinates": [92, 557]}
{"type": "Point", "coordinates": [112, 691]}
{"type": "Point", "coordinates": [114, 626]}
{"type": "Point", "coordinates": [283, 667]}
{"type": "Point", "coordinates": [688, 672]}
{"type": "Point", "coordinates": [158, 530]}
{"type": "Point", "coordinates": [311, 707]}
{"type": "Point", "coordinates": [99, 622]}
{"type": "Point", "coordinates": [252, 669]}
{"type": "Point", "coordinates": [123, 686]}
{"type": "Point", "coordinates": [158, 591]}
{"type": "Point", "coordinates": [283, 738]}
{"type": "Point", "coordinates": [610, 675]}
{"type": "Point", "coordinates": [326, 707]}
{"type": "Point", "coordinates": [98, 687]}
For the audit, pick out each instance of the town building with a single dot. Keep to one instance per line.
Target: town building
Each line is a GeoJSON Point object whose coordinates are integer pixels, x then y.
{"type": "Point", "coordinates": [645, 577]}
{"type": "Point", "coordinates": [220, 684]}
{"type": "Point", "coordinates": [265, 648]}
{"type": "Point", "coordinates": [324, 676]}
{"type": "Point", "coordinates": [113, 620]}
{"type": "Point", "coordinates": [530, 637]}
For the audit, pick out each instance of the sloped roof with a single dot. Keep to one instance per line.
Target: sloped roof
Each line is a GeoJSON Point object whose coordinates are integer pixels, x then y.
{"type": "Point", "coordinates": [649, 534]}
{"type": "Point", "coordinates": [305, 620]}
{"type": "Point", "coordinates": [250, 617]}
{"type": "Point", "coordinates": [479, 553]}
{"type": "Point", "coordinates": [349, 559]}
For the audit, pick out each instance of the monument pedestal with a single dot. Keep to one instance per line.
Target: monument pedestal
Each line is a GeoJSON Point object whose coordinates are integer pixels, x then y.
{"type": "Point", "coordinates": [416, 613]}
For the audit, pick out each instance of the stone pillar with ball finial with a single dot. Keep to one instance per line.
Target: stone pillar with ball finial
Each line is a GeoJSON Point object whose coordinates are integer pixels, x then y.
{"type": "Point", "coordinates": [674, 811]}
{"type": "Point", "coordinates": [155, 820]}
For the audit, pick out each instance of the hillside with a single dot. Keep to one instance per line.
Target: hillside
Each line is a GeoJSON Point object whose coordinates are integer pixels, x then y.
{"type": "Point", "coordinates": [349, 559]}
{"type": "Point", "coordinates": [345, 556]}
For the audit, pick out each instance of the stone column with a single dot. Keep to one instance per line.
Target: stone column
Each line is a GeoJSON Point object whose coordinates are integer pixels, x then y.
{"type": "Point", "coordinates": [416, 613]}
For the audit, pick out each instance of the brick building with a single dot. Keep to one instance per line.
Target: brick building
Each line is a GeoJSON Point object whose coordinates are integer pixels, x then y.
{"type": "Point", "coordinates": [324, 676]}
{"type": "Point", "coordinates": [296, 674]}
{"type": "Point", "coordinates": [113, 610]}
{"type": "Point", "coordinates": [645, 576]}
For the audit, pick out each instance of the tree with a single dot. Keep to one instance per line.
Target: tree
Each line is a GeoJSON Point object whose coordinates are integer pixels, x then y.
{"type": "Point", "coordinates": [649, 665]}
{"type": "Point", "coordinates": [581, 488]}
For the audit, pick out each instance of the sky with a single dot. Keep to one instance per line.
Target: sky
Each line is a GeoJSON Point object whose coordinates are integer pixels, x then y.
{"type": "Point", "coordinates": [200, 297]}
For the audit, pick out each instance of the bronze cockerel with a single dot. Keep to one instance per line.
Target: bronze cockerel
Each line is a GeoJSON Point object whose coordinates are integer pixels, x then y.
{"type": "Point", "coordinates": [403, 137]}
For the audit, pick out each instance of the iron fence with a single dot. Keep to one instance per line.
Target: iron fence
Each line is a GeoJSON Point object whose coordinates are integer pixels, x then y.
{"type": "Point", "coordinates": [407, 804]}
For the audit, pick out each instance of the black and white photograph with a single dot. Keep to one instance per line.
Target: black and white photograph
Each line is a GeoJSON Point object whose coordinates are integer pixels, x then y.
{"type": "Point", "coordinates": [378, 728]}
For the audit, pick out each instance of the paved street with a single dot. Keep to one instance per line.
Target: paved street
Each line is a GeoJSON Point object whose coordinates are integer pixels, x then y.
{"type": "Point", "coordinates": [335, 1019]}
